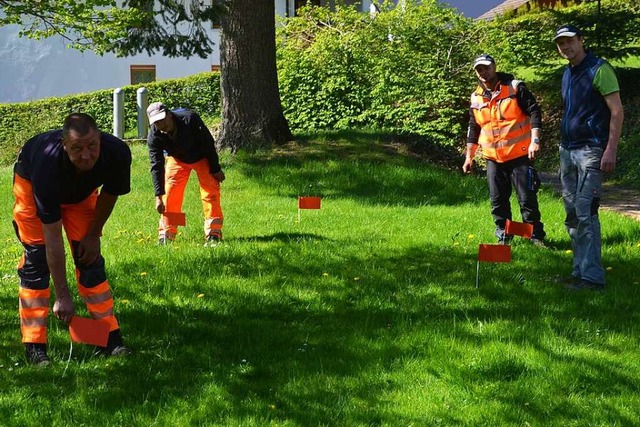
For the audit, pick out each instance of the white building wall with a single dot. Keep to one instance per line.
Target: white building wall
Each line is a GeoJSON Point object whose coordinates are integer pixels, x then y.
{"type": "Point", "coordinates": [36, 69]}
{"type": "Point", "coordinates": [33, 69]}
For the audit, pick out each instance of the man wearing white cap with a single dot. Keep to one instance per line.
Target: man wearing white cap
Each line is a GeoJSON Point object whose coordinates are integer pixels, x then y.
{"type": "Point", "coordinates": [590, 131]}
{"type": "Point", "coordinates": [188, 145]}
{"type": "Point", "coordinates": [505, 120]}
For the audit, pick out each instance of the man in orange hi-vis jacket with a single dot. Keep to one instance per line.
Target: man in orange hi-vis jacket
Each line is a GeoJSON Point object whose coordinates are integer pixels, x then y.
{"type": "Point", "coordinates": [505, 120]}
{"type": "Point", "coordinates": [184, 138]}
{"type": "Point", "coordinates": [56, 181]}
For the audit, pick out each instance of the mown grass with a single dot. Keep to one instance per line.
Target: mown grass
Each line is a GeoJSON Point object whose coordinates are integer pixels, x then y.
{"type": "Point", "coordinates": [363, 313]}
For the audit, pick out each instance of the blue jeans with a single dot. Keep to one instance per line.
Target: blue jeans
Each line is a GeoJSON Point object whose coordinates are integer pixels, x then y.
{"type": "Point", "coordinates": [581, 180]}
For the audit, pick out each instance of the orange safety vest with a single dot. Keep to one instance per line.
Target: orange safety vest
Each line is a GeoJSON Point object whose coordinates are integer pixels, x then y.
{"type": "Point", "coordinates": [505, 129]}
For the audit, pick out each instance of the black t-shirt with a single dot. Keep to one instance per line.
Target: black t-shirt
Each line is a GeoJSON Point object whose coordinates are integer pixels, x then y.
{"type": "Point", "coordinates": [56, 181]}
{"type": "Point", "coordinates": [191, 143]}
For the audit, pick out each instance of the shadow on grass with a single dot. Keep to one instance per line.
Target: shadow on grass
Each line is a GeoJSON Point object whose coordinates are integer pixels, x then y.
{"type": "Point", "coordinates": [280, 237]}
{"type": "Point", "coordinates": [321, 342]}
{"type": "Point", "coordinates": [371, 168]}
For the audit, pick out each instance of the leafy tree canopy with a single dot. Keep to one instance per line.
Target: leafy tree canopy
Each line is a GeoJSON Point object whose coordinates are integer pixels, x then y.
{"type": "Point", "coordinates": [613, 32]}
{"type": "Point", "coordinates": [177, 28]}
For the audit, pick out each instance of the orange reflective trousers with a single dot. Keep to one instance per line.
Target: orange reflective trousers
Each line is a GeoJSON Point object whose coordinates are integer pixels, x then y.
{"type": "Point", "coordinates": [33, 269]}
{"type": "Point", "coordinates": [176, 177]}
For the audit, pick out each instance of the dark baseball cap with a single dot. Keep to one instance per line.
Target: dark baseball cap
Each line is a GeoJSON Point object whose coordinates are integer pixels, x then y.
{"type": "Point", "coordinates": [483, 59]}
{"type": "Point", "coordinates": [567, 31]}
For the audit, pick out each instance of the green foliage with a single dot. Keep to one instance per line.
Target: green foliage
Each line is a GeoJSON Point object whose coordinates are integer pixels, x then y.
{"type": "Point", "coordinates": [406, 70]}
{"type": "Point", "coordinates": [173, 27]}
{"type": "Point", "coordinates": [363, 313]}
{"type": "Point", "coordinates": [21, 121]}
{"type": "Point", "coordinates": [527, 39]}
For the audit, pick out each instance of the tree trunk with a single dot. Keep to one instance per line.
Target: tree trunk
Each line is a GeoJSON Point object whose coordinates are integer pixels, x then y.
{"type": "Point", "coordinates": [251, 109]}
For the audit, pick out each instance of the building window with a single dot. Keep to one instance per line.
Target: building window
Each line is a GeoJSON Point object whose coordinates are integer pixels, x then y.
{"type": "Point", "coordinates": [142, 74]}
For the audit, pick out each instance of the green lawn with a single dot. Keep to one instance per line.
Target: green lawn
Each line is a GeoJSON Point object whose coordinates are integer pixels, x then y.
{"type": "Point", "coordinates": [363, 313]}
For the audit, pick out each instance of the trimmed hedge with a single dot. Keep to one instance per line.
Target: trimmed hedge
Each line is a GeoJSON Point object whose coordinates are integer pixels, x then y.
{"type": "Point", "coordinates": [21, 121]}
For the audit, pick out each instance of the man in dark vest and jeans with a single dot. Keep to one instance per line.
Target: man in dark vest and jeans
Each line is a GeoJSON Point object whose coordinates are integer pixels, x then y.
{"type": "Point", "coordinates": [590, 131]}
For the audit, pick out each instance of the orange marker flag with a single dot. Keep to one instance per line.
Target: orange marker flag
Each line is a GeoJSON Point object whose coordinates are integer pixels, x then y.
{"type": "Point", "coordinates": [519, 229]}
{"type": "Point", "coordinates": [174, 218]}
{"type": "Point", "coordinates": [309, 202]}
{"type": "Point", "coordinates": [494, 253]}
{"type": "Point", "coordinates": [89, 331]}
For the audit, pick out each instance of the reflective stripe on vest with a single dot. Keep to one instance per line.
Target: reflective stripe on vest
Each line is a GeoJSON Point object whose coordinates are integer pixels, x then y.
{"type": "Point", "coordinates": [505, 129]}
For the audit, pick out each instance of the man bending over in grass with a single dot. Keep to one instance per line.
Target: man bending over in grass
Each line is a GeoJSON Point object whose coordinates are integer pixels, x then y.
{"type": "Point", "coordinates": [184, 138]}
{"type": "Point", "coordinates": [55, 184]}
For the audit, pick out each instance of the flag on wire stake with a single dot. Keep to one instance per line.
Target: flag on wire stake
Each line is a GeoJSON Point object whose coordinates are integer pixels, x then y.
{"type": "Point", "coordinates": [492, 253]}
{"type": "Point", "coordinates": [519, 229]}
{"type": "Point", "coordinates": [308, 203]}
{"type": "Point", "coordinates": [89, 331]}
{"type": "Point", "coordinates": [86, 331]}
{"type": "Point", "coordinates": [174, 218]}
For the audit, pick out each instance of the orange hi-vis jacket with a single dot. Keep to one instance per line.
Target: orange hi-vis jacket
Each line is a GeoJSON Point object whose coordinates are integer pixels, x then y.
{"type": "Point", "coordinates": [505, 130]}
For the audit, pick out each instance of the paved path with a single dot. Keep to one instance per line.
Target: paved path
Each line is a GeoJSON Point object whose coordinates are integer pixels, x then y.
{"type": "Point", "coordinates": [614, 198]}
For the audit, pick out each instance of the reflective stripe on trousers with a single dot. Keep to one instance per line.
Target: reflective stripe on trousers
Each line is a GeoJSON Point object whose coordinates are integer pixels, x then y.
{"type": "Point", "coordinates": [176, 177]}
{"type": "Point", "coordinates": [33, 270]}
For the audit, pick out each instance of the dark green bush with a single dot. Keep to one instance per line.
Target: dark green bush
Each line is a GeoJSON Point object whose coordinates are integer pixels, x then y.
{"type": "Point", "coordinates": [21, 121]}
{"type": "Point", "coordinates": [407, 70]}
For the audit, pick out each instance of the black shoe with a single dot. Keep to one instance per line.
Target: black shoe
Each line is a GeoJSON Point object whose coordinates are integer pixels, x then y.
{"type": "Point", "coordinates": [115, 346]}
{"type": "Point", "coordinates": [213, 239]}
{"type": "Point", "coordinates": [505, 240]}
{"type": "Point", "coordinates": [37, 354]}
{"type": "Point", "coordinates": [585, 285]}
{"type": "Point", "coordinates": [164, 240]}
{"type": "Point", "coordinates": [538, 242]}
{"type": "Point", "coordinates": [569, 280]}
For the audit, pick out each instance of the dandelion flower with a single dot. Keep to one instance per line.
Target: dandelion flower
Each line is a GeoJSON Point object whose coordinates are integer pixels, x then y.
{"type": "Point", "coordinates": [144, 273]}
{"type": "Point", "coordinates": [200, 295]}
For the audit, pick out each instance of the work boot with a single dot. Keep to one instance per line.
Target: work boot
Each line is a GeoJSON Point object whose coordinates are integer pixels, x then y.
{"type": "Point", "coordinates": [585, 285]}
{"type": "Point", "coordinates": [538, 242]}
{"type": "Point", "coordinates": [164, 240]}
{"type": "Point", "coordinates": [505, 239]}
{"type": "Point", "coordinates": [115, 346]}
{"type": "Point", "coordinates": [37, 354]}
{"type": "Point", "coordinates": [213, 239]}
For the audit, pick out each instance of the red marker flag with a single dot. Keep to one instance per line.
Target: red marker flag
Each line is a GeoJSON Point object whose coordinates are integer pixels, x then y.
{"type": "Point", "coordinates": [174, 218]}
{"type": "Point", "coordinates": [494, 253]}
{"type": "Point", "coordinates": [89, 331]}
{"type": "Point", "coordinates": [519, 229]}
{"type": "Point", "coordinates": [308, 202]}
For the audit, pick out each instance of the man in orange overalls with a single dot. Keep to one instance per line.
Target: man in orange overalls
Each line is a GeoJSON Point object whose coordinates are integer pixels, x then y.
{"type": "Point", "coordinates": [185, 139]}
{"type": "Point", "coordinates": [55, 184]}
{"type": "Point", "coordinates": [505, 120]}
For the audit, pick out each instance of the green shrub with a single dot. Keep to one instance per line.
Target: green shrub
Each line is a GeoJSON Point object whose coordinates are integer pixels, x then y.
{"type": "Point", "coordinates": [527, 39]}
{"type": "Point", "coordinates": [21, 121]}
{"type": "Point", "coordinates": [407, 70]}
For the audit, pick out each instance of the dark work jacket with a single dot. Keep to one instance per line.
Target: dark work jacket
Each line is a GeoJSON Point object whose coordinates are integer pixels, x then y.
{"type": "Point", "coordinates": [56, 181]}
{"type": "Point", "coordinates": [586, 114]}
{"type": "Point", "coordinates": [190, 143]}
